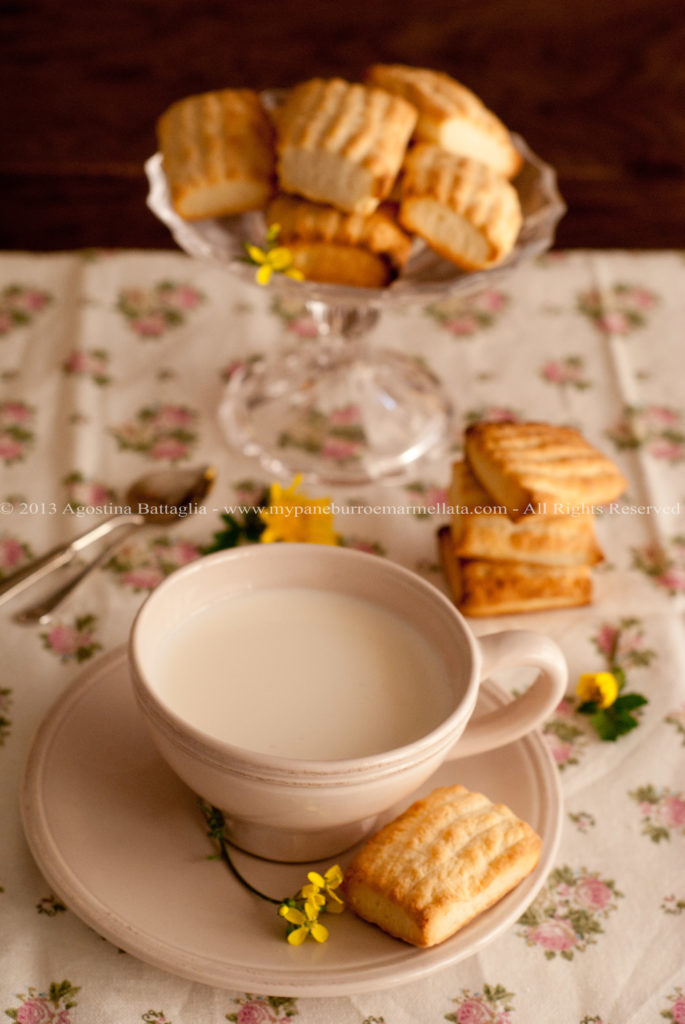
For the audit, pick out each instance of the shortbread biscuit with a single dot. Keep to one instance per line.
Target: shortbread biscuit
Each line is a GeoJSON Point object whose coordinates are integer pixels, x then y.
{"type": "Point", "coordinates": [328, 263]}
{"type": "Point", "coordinates": [342, 143]}
{"type": "Point", "coordinates": [218, 153]}
{"type": "Point", "coordinates": [465, 211]}
{"type": "Point", "coordinates": [304, 221]}
{"type": "Point", "coordinates": [445, 860]}
{"type": "Point", "coordinates": [538, 468]}
{"type": "Point", "coordinates": [482, 588]}
{"type": "Point", "coordinates": [450, 115]}
{"type": "Point", "coordinates": [482, 529]}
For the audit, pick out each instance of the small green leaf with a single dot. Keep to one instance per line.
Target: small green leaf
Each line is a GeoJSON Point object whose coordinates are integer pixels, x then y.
{"type": "Point", "coordinates": [619, 675]}
{"type": "Point", "coordinates": [629, 701]}
{"type": "Point", "coordinates": [605, 725]}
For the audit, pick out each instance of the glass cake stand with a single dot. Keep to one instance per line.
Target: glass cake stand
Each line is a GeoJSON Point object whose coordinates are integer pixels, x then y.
{"type": "Point", "coordinates": [335, 407]}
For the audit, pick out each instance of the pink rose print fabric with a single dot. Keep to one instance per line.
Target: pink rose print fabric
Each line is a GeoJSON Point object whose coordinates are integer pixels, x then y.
{"type": "Point", "coordinates": [263, 1010]}
{"type": "Point", "coordinates": [620, 309]}
{"type": "Point", "coordinates": [161, 432]}
{"type": "Point", "coordinates": [663, 812]}
{"type": "Point", "coordinates": [663, 564]}
{"type": "Point", "coordinates": [112, 364]}
{"type": "Point", "coordinates": [19, 306]}
{"type": "Point", "coordinates": [74, 641]}
{"type": "Point", "coordinates": [13, 554]}
{"type": "Point", "coordinates": [658, 430]}
{"type": "Point", "coordinates": [567, 916]}
{"type": "Point", "coordinates": [51, 1007]}
{"type": "Point", "coordinates": [464, 317]}
{"type": "Point", "coordinates": [16, 430]}
{"type": "Point", "coordinates": [675, 1006]}
{"type": "Point", "coordinates": [568, 372]}
{"type": "Point", "coordinates": [92, 363]}
{"type": "Point", "coordinates": [151, 312]}
{"type": "Point", "coordinates": [142, 565]}
{"type": "Point", "coordinates": [494, 1005]}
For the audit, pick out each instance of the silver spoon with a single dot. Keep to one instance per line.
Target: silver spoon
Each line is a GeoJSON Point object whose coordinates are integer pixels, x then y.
{"type": "Point", "coordinates": [158, 498]}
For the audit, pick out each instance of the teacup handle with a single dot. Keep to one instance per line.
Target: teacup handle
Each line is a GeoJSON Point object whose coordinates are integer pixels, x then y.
{"type": "Point", "coordinates": [509, 649]}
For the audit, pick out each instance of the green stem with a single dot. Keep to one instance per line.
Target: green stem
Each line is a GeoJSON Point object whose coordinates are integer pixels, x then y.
{"type": "Point", "coordinates": [215, 820]}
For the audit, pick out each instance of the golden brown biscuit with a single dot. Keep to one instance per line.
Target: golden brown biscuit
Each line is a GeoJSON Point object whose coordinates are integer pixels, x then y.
{"type": "Point", "coordinates": [450, 115]}
{"type": "Point", "coordinates": [538, 468]}
{"type": "Point", "coordinates": [482, 529]}
{"type": "Point", "coordinates": [218, 153]}
{"type": "Point", "coordinates": [465, 211]}
{"type": "Point", "coordinates": [342, 143]}
{"type": "Point", "coordinates": [434, 868]}
{"type": "Point", "coordinates": [483, 588]}
{"type": "Point", "coordinates": [303, 221]}
{"type": "Point", "coordinates": [329, 263]}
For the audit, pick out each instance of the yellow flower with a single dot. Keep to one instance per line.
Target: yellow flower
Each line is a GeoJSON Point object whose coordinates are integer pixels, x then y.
{"type": "Point", "coordinates": [599, 687]}
{"type": "Point", "coordinates": [273, 259]}
{"type": "Point", "coordinates": [294, 518]}
{"type": "Point", "coordinates": [322, 889]}
{"type": "Point", "coordinates": [306, 923]}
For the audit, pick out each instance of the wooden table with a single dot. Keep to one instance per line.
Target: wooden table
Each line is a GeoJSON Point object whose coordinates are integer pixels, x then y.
{"type": "Point", "coordinates": [598, 89]}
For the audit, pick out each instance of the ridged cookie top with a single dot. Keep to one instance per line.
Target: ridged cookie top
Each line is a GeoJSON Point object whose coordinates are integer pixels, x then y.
{"type": "Point", "coordinates": [216, 136]}
{"type": "Point", "coordinates": [466, 187]}
{"type": "Point", "coordinates": [447, 847]}
{"type": "Point", "coordinates": [439, 98]}
{"type": "Point", "coordinates": [367, 126]}
{"type": "Point", "coordinates": [542, 463]}
{"type": "Point", "coordinates": [302, 220]}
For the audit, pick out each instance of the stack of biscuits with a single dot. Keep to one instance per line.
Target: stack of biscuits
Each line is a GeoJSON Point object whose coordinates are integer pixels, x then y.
{"type": "Point", "coordinates": [352, 172]}
{"type": "Point", "coordinates": [522, 533]}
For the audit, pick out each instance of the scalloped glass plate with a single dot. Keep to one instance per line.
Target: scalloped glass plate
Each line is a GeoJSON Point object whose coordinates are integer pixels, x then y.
{"type": "Point", "coordinates": [426, 275]}
{"type": "Point", "coordinates": [277, 408]}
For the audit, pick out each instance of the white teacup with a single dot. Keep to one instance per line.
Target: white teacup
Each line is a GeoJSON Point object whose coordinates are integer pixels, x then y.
{"type": "Point", "coordinates": [377, 667]}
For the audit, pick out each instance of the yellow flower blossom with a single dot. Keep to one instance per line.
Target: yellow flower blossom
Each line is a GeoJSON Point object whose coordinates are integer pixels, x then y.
{"type": "Point", "coordinates": [598, 687]}
{"type": "Point", "coordinates": [321, 889]}
{"type": "Point", "coordinates": [295, 518]}
{"type": "Point", "coordinates": [274, 259]}
{"type": "Point", "coordinates": [306, 923]}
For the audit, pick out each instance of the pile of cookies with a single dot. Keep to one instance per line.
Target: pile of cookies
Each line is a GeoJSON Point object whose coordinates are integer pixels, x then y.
{"type": "Point", "coordinates": [352, 172]}
{"type": "Point", "coordinates": [522, 533]}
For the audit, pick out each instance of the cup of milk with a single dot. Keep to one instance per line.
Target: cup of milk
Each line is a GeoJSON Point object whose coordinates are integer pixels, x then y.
{"type": "Point", "coordinates": [305, 689]}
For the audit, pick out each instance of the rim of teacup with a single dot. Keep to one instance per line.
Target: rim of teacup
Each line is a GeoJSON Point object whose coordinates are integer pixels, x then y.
{"type": "Point", "coordinates": [240, 761]}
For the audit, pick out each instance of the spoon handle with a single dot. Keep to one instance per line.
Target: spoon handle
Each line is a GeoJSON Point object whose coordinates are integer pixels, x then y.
{"type": "Point", "coordinates": [41, 611]}
{"type": "Point", "coordinates": [61, 555]}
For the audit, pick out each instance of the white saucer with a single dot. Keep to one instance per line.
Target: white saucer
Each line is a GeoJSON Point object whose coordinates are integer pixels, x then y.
{"type": "Point", "coordinates": [123, 843]}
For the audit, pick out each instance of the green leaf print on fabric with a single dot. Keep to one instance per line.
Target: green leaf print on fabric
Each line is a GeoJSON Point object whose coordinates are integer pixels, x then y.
{"type": "Point", "coordinates": [663, 812]}
{"type": "Point", "coordinates": [159, 431]}
{"type": "Point", "coordinates": [464, 317]}
{"type": "Point", "coordinates": [620, 309]}
{"type": "Point", "coordinates": [51, 1007]}
{"type": "Point", "coordinates": [657, 430]}
{"type": "Point", "coordinates": [264, 1010]}
{"type": "Point", "coordinates": [75, 642]}
{"type": "Point", "coordinates": [151, 312]}
{"type": "Point", "coordinates": [663, 563]}
{"type": "Point", "coordinates": [494, 1005]}
{"type": "Point", "coordinates": [19, 306]}
{"type": "Point", "coordinates": [566, 917]}
{"type": "Point", "coordinates": [16, 430]}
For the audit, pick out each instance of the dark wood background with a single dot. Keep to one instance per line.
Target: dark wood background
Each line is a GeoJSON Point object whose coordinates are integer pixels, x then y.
{"type": "Point", "coordinates": [597, 87]}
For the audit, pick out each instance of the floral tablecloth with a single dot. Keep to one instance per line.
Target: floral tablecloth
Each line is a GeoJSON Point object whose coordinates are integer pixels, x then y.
{"type": "Point", "coordinates": [112, 363]}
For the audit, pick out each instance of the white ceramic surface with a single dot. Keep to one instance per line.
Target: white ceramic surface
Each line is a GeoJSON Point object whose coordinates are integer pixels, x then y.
{"type": "Point", "coordinates": [121, 840]}
{"type": "Point", "coordinates": [289, 809]}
